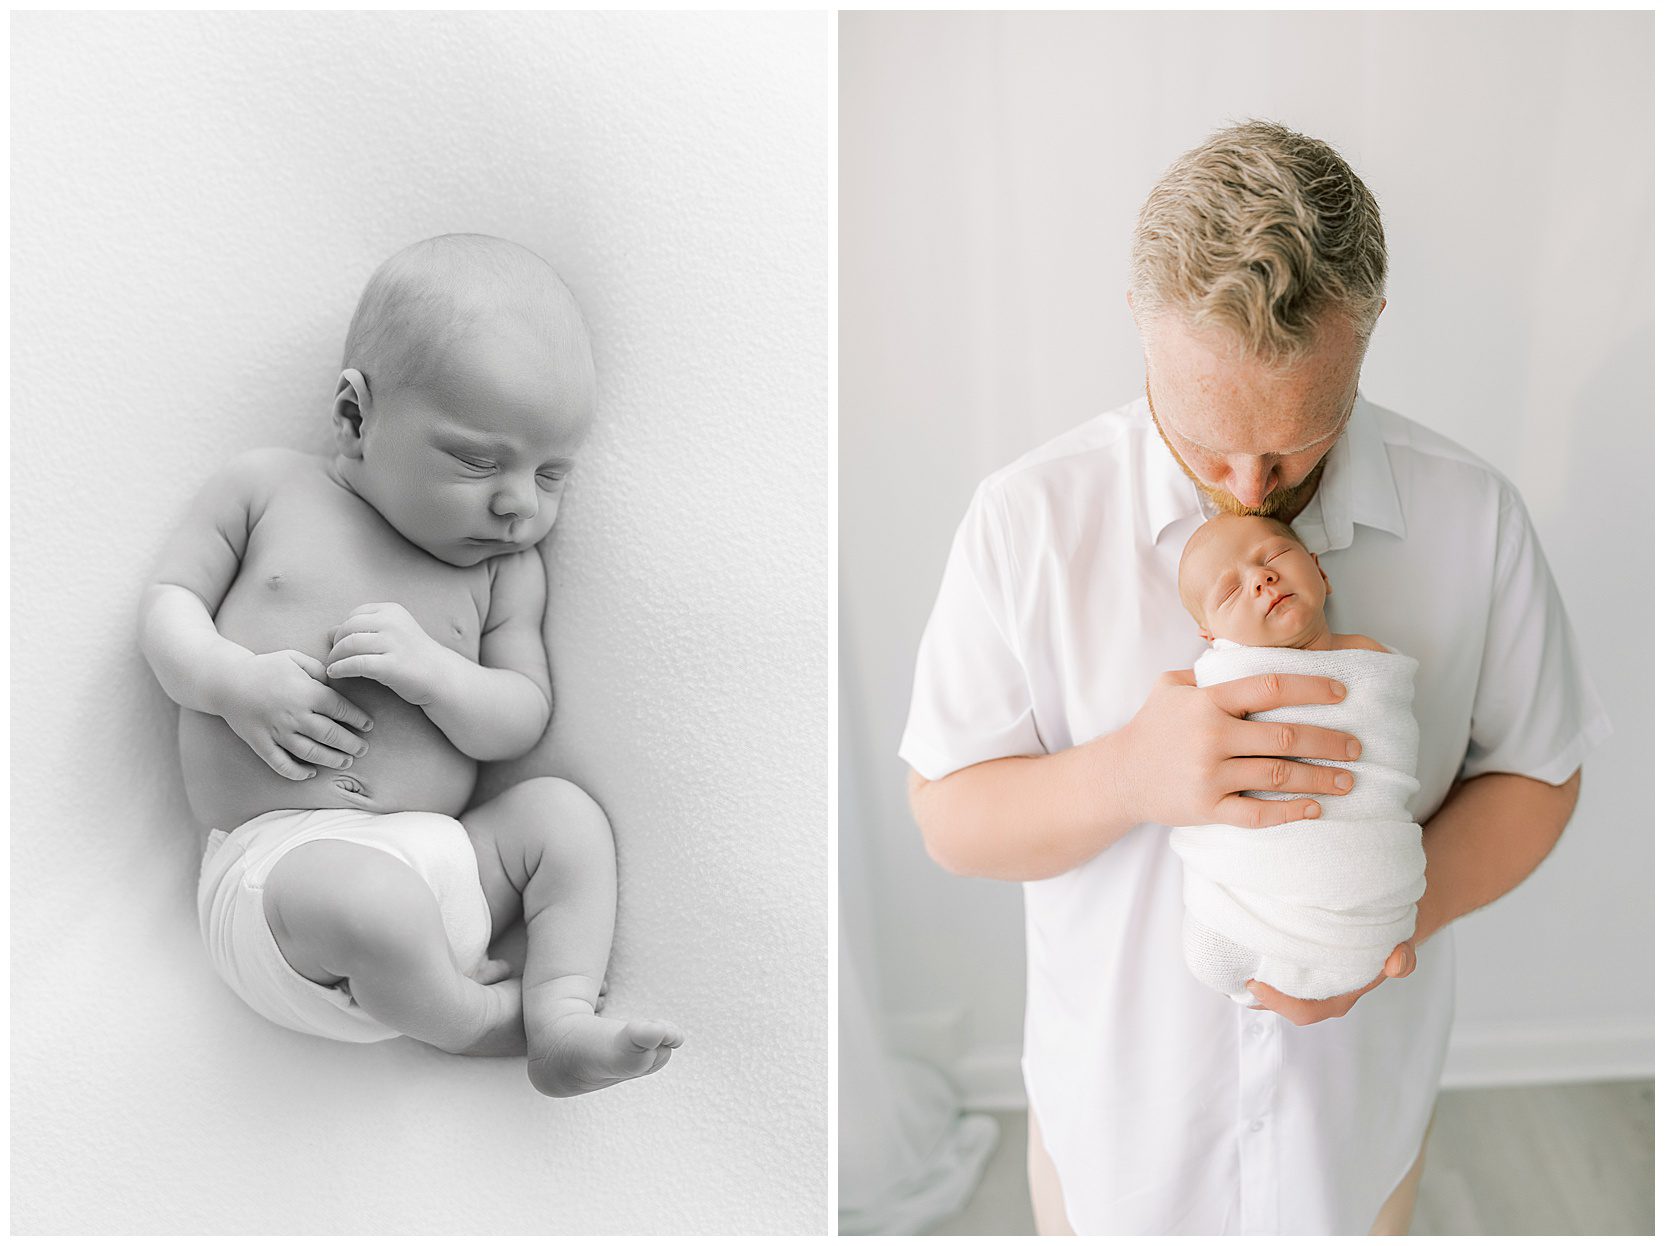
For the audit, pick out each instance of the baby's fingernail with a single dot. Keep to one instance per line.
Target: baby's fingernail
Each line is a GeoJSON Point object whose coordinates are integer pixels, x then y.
{"type": "Point", "coordinates": [1343, 781]}
{"type": "Point", "coordinates": [1338, 689]}
{"type": "Point", "coordinates": [312, 774]}
{"type": "Point", "coordinates": [1310, 812]}
{"type": "Point", "coordinates": [1353, 750]}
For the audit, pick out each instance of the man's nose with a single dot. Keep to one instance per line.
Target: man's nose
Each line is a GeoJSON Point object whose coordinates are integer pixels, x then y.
{"type": "Point", "coordinates": [1249, 482]}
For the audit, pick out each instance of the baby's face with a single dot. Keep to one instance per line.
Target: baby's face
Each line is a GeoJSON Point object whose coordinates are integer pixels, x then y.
{"type": "Point", "coordinates": [472, 465]}
{"type": "Point", "coordinates": [1247, 580]}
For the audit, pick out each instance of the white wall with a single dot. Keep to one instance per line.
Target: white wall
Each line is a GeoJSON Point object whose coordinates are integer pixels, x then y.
{"type": "Point", "coordinates": [990, 170]}
{"type": "Point", "coordinates": [197, 200]}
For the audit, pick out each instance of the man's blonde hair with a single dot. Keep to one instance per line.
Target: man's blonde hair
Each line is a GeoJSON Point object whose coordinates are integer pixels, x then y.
{"type": "Point", "coordinates": [1261, 231]}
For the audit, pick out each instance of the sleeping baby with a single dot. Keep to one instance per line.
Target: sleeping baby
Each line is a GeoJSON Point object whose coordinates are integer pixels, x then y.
{"type": "Point", "coordinates": [1312, 908]}
{"type": "Point", "coordinates": [349, 636]}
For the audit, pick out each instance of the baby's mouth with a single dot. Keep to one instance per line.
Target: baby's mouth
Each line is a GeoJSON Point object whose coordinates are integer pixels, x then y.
{"type": "Point", "coordinates": [1278, 601]}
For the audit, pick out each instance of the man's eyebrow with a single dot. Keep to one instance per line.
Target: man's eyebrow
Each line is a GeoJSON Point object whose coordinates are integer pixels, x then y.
{"type": "Point", "coordinates": [1339, 425]}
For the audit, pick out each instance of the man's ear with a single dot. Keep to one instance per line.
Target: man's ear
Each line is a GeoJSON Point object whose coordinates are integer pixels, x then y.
{"type": "Point", "coordinates": [352, 400]}
{"type": "Point", "coordinates": [1327, 589]}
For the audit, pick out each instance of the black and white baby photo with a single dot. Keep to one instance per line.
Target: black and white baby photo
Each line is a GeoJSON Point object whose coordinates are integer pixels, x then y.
{"type": "Point", "coordinates": [419, 444]}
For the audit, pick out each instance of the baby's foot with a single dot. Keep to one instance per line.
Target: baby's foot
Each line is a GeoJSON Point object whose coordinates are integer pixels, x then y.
{"type": "Point", "coordinates": [581, 1052]}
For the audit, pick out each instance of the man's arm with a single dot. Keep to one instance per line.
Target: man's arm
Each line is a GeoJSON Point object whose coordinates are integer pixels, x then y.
{"type": "Point", "coordinates": [1492, 831]}
{"type": "Point", "coordinates": [1183, 760]}
{"type": "Point", "coordinates": [493, 709]}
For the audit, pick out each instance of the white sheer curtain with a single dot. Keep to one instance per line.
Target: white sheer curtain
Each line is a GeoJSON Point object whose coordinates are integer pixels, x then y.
{"type": "Point", "coordinates": [907, 1155]}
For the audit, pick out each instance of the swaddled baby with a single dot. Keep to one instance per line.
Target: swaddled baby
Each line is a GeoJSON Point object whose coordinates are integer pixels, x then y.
{"type": "Point", "coordinates": [1312, 908]}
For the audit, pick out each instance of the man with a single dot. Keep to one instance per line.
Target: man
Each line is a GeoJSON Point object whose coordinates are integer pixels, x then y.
{"type": "Point", "coordinates": [1056, 733]}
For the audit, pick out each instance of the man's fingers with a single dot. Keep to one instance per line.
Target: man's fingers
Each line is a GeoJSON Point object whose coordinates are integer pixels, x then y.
{"type": "Point", "coordinates": [1402, 962]}
{"type": "Point", "coordinates": [1268, 739]}
{"type": "Point", "coordinates": [332, 734]}
{"type": "Point", "coordinates": [1255, 694]}
{"type": "Point", "coordinates": [1255, 814]}
{"type": "Point", "coordinates": [1278, 774]}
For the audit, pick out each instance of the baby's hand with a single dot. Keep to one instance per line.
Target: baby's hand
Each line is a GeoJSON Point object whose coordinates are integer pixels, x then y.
{"type": "Point", "coordinates": [283, 710]}
{"type": "Point", "coordinates": [382, 642]}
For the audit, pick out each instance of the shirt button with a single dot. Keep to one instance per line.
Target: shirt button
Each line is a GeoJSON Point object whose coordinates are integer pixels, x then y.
{"type": "Point", "coordinates": [1257, 1126]}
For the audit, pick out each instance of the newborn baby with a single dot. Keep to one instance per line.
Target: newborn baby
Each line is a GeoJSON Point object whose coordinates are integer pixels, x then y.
{"type": "Point", "coordinates": [1311, 908]}
{"type": "Point", "coordinates": [348, 636]}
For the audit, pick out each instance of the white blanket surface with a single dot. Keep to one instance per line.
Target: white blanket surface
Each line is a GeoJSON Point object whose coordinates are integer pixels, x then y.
{"type": "Point", "coordinates": [1314, 907]}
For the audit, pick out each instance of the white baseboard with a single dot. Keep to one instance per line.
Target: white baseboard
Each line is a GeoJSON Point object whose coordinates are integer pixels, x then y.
{"type": "Point", "coordinates": [1526, 1057]}
{"type": "Point", "coordinates": [992, 1081]}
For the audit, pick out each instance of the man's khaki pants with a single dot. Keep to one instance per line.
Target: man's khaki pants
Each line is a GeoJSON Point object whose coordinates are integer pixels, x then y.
{"type": "Point", "coordinates": [1047, 1197]}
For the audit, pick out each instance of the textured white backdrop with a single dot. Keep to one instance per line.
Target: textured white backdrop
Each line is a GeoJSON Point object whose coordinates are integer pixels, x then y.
{"type": "Point", "coordinates": [196, 201]}
{"type": "Point", "coordinates": [991, 167]}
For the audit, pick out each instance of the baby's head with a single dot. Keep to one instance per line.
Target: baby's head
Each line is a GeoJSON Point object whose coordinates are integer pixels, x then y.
{"type": "Point", "coordinates": [466, 389]}
{"type": "Point", "coordinates": [1249, 579]}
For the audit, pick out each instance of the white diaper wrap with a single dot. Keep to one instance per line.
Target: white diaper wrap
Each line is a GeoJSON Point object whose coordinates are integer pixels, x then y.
{"type": "Point", "coordinates": [1314, 907]}
{"type": "Point", "coordinates": [231, 907]}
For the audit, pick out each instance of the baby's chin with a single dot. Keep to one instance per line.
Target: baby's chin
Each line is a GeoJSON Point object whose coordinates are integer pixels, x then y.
{"type": "Point", "coordinates": [1293, 630]}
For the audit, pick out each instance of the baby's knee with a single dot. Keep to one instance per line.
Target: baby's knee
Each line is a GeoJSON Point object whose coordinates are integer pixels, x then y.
{"type": "Point", "coordinates": [564, 818]}
{"type": "Point", "coordinates": [338, 908]}
{"type": "Point", "coordinates": [563, 805]}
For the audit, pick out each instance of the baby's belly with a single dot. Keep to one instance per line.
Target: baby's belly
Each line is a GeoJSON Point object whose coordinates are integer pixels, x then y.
{"type": "Point", "coordinates": [410, 765]}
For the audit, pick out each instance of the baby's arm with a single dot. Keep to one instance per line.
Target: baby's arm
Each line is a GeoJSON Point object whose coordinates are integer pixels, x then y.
{"type": "Point", "coordinates": [276, 702]}
{"type": "Point", "coordinates": [492, 709]}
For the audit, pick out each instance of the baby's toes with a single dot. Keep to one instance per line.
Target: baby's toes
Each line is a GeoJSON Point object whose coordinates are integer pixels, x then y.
{"type": "Point", "coordinates": [490, 971]}
{"type": "Point", "coordinates": [646, 1035]}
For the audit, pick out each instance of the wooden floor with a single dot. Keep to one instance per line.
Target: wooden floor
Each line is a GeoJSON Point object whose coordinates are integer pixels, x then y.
{"type": "Point", "coordinates": [1573, 1160]}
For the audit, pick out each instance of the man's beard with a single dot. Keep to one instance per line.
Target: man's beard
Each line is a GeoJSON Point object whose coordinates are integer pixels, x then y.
{"type": "Point", "coordinates": [1273, 505]}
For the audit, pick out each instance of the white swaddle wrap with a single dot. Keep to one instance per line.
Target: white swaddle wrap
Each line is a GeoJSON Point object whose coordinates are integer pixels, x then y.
{"type": "Point", "coordinates": [1313, 907]}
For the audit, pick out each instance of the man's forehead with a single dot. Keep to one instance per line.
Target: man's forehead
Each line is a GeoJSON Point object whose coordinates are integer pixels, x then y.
{"type": "Point", "coordinates": [1220, 401]}
{"type": "Point", "coordinates": [1261, 436]}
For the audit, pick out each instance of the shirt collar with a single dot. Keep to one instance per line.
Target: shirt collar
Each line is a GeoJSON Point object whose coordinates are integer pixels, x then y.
{"type": "Point", "coordinates": [1357, 487]}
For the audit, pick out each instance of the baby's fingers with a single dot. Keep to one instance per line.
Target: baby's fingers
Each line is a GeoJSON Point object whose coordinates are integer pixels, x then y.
{"type": "Point", "coordinates": [281, 762]}
{"type": "Point", "coordinates": [333, 705]}
{"type": "Point", "coordinates": [314, 752]}
{"type": "Point", "coordinates": [332, 735]}
{"type": "Point", "coordinates": [362, 666]}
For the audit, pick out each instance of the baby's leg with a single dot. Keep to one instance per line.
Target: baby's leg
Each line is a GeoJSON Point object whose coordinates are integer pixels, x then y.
{"type": "Point", "coordinates": [550, 842]}
{"type": "Point", "coordinates": [344, 911]}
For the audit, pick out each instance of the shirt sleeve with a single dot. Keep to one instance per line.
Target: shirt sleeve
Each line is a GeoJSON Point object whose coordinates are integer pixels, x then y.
{"type": "Point", "coordinates": [1536, 712]}
{"type": "Point", "coordinates": [971, 697]}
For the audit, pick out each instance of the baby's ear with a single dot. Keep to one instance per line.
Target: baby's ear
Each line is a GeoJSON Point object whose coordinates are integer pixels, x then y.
{"type": "Point", "coordinates": [1327, 589]}
{"type": "Point", "coordinates": [352, 396]}
{"type": "Point", "coordinates": [1206, 634]}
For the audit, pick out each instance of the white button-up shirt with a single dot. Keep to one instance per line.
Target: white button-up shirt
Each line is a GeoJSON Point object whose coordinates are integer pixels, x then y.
{"type": "Point", "coordinates": [1166, 1107]}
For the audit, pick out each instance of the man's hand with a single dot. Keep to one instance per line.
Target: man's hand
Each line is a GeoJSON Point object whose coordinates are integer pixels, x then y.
{"type": "Point", "coordinates": [1400, 964]}
{"type": "Point", "coordinates": [1187, 755]}
{"type": "Point", "coordinates": [381, 641]}
{"type": "Point", "coordinates": [280, 706]}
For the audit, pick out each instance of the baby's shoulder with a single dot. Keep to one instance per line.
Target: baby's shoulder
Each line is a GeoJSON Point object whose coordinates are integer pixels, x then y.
{"type": "Point", "coordinates": [269, 468]}
{"type": "Point", "coordinates": [1360, 642]}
